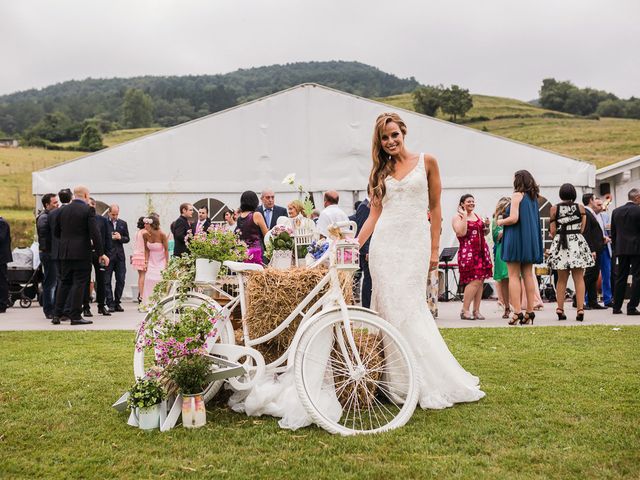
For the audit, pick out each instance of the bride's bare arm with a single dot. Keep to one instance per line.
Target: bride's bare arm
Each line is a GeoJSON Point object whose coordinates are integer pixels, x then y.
{"type": "Point", "coordinates": [375, 210]}
{"type": "Point", "coordinates": [435, 191]}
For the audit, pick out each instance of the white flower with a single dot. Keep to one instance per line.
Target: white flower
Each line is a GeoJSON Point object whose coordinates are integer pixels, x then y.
{"type": "Point", "coordinates": [290, 179]}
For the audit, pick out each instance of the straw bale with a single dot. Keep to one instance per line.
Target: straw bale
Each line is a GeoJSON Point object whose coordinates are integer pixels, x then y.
{"type": "Point", "coordinates": [273, 294]}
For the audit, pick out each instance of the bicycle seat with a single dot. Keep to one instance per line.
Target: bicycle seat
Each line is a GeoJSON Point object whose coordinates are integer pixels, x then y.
{"type": "Point", "coordinates": [242, 267]}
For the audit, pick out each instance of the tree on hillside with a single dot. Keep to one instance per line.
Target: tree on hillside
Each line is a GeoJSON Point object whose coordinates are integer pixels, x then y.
{"type": "Point", "coordinates": [427, 99]}
{"type": "Point", "coordinates": [91, 140]}
{"type": "Point", "coordinates": [55, 127]}
{"type": "Point", "coordinates": [137, 109]}
{"type": "Point", "coordinates": [455, 101]}
{"type": "Point", "coordinates": [553, 94]}
{"type": "Point", "coordinates": [611, 108]}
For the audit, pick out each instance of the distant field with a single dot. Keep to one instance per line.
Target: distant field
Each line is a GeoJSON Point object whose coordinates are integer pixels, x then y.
{"type": "Point", "coordinates": [602, 142]}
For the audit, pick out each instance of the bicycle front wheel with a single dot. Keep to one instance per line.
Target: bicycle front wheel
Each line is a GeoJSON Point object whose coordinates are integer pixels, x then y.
{"type": "Point", "coordinates": [348, 397]}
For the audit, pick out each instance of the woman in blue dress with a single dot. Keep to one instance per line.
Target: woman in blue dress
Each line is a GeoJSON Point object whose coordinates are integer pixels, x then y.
{"type": "Point", "coordinates": [522, 244]}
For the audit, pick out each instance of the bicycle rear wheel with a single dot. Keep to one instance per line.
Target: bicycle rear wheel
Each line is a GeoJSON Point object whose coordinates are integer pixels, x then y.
{"type": "Point", "coordinates": [379, 395]}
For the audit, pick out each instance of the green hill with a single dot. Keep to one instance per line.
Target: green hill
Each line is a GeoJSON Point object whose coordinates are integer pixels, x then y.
{"type": "Point", "coordinates": [602, 142]}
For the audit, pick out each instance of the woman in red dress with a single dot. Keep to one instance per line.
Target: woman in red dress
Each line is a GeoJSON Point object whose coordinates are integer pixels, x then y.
{"type": "Point", "coordinates": [474, 257]}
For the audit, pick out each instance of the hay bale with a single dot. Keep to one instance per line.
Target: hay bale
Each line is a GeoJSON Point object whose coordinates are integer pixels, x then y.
{"type": "Point", "coordinates": [273, 294]}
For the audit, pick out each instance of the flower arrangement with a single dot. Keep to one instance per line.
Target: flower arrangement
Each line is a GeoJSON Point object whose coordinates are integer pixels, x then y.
{"type": "Point", "coordinates": [306, 201]}
{"type": "Point", "coordinates": [188, 375]}
{"type": "Point", "coordinates": [281, 239]}
{"type": "Point", "coordinates": [145, 393]}
{"type": "Point", "coordinates": [217, 243]}
{"type": "Point", "coordinates": [179, 269]}
{"type": "Point", "coordinates": [174, 336]}
{"type": "Point", "coordinates": [317, 248]}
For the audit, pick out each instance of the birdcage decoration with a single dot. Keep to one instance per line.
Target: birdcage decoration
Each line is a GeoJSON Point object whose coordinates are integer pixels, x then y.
{"type": "Point", "coordinates": [347, 254]}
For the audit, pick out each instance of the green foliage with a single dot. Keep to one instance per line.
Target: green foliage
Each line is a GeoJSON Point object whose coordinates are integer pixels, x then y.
{"type": "Point", "coordinates": [455, 101]}
{"type": "Point", "coordinates": [189, 373]}
{"type": "Point", "coordinates": [91, 140]}
{"type": "Point", "coordinates": [145, 393]}
{"type": "Point", "coordinates": [218, 244]}
{"type": "Point", "coordinates": [178, 99]}
{"type": "Point", "coordinates": [427, 100]}
{"type": "Point", "coordinates": [137, 109]}
{"type": "Point", "coordinates": [54, 127]}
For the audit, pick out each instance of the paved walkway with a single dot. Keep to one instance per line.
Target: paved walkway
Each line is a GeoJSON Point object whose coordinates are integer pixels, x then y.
{"type": "Point", "coordinates": [32, 318]}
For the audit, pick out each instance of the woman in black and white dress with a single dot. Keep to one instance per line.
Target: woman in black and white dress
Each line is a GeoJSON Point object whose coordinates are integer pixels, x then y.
{"type": "Point", "coordinates": [569, 251]}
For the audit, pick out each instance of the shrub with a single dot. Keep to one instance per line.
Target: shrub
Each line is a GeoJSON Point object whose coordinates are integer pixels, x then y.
{"type": "Point", "coordinates": [145, 393]}
{"type": "Point", "coordinates": [189, 374]}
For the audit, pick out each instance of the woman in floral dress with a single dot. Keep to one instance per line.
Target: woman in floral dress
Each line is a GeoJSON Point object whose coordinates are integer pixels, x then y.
{"type": "Point", "coordinates": [474, 257]}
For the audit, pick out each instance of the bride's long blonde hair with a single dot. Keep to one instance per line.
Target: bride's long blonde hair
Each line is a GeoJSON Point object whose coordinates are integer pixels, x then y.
{"type": "Point", "coordinates": [383, 163]}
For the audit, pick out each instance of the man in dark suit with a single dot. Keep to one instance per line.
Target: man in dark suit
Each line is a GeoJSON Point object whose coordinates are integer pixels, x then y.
{"type": "Point", "coordinates": [119, 232]}
{"type": "Point", "coordinates": [594, 236]}
{"type": "Point", "coordinates": [181, 228]}
{"type": "Point", "coordinates": [625, 238]}
{"type": "Point", "coordinates": [5, 257]}
{"type": "Point", "coordinates": [45, 236]}
{"type": "Point", "coordinates": [77, 233]}
{"type": "Point", "coordinates": [203, 222]}
{"type": "Point", "coordinates": [361, 215]}
{"type": "Point", "coordinates": [269, 210]}
{"type": "Point", "coordinates": [99, 270]}
{"type": "Point", "coordinates": [64, 197]}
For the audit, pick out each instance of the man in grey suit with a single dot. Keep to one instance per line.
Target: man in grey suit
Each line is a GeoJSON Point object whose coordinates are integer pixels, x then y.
{"type": "Point", "coordinates": [268, 208]}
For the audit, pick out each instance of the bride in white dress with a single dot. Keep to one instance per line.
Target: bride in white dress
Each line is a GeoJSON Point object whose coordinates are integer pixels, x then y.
{"type": "Point", "coordinates": [404, 186]}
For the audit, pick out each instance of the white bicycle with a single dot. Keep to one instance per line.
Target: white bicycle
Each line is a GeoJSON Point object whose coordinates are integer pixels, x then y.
{"type": "Point", "coordinates": [347, 354]}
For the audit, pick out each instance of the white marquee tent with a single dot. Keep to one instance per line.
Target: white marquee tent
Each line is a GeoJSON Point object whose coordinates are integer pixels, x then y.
{"type": "Point", "coordinates": [321, 134]}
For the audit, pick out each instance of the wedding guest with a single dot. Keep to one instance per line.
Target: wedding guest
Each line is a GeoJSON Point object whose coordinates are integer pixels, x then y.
{"type": "Point", "coordinates": [594, 235]}
{"type": "Point", "coordinates": [251, 226]}
{"type": "Point", "coordinates": [5, 257]}
{"type": "Point", "coordinates": [50, 278]}
{"type": "Point", "coordinates": [604, 219]}
{"type": "Point", "coordinates": [181, 228]}
{"type": "Point", "coordinates": [474, 258]}
{"type": "Point", "coordinates": [296, 217]}
{"type": "Point", "coordinates": [331, 214]}
{"type": "Point", "coordinates": [119, 232]}
{"type": "Point", "coordinates": [76, 231]}
{"type": "Point", "coordinates": [268, 208]}
{"type": "Point", "coordinates": [500, 272]}
{"type": "Point", "coordinates": [64, 196]}
{"type": "Point", "coordinates": [569, 251]}
{"type": "Point", "coordinates": [625, 237]}
{"type": "Point", "coordinates": [361, 215]}
{"type": "Point", "coordinates": [156, 255]}
{"type": "Point", "coordinates": [138, 258]}
{"type": "Point", "coordinates": [230, 219]}
{"type": "Point", "coordinates": [203, 223]}
{"type": "Point", "coordinates": [99, 270]}
{"type": "Point", "coordinates": [522, 243]}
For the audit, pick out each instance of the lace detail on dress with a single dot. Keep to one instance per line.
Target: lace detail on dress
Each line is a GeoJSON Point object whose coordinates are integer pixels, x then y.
{"type": "Point", "coordinates": [399, 264]}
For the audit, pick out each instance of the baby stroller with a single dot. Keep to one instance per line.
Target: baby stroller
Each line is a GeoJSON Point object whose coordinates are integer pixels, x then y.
{"type": "Point", "coordinates": [24, 279]}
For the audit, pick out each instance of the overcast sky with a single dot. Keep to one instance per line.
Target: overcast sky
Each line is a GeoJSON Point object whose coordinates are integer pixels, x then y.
{"type": "Point", "coordinates": [495, 47]}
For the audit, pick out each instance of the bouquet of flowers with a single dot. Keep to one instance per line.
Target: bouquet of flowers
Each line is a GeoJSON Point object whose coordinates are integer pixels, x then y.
{"type": "Point", "coordinates": [217, 243]}
{"type": "Point", "coordinates": [173, 335]}
{"type": "Point", "coordinates": [306, 201]}
{"type": "Point", "coordinates": [281, 239]}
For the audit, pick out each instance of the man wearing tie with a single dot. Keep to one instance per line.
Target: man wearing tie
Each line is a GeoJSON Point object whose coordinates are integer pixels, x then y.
{"type": "Point", "coordinates": [361, 215]}
{"type": "Point", "coordinates": [269, 210]}
{"type": "Point", "coordinates": [203, 223]}
{"type": "Point", "coordinates": [119, 236]}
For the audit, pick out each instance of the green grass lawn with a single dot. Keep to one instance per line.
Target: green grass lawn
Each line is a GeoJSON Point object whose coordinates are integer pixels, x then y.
{"type": "Point", "coordinates": [601, 142]}
{"type": "Point", "coordinates": [561, 403]}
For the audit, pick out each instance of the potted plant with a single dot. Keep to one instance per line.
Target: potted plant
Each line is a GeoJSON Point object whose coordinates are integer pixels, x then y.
{"type": "Point", "coordinates": [280, 247]}
{"type": "Point", "coordinates": [213, 247]}
{"type": "Point", "coordinates": [189, 376]}
{"type": "Point", "coordinates": [144, 399]}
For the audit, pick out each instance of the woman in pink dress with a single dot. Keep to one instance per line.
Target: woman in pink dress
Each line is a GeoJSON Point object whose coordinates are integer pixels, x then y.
{"type": "Point", "coordinates": [156, 252]}
{"type": "Point", "coordinates": [474, 257]}
{"type": "Point", "coordinates": [137, 259]}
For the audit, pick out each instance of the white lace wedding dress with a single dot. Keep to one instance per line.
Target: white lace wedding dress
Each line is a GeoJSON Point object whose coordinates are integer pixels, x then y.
{"type": "Point", "coordinates": [399, 265]}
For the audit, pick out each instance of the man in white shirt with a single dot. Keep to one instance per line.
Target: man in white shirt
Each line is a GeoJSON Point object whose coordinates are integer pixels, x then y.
{"type": "Point", "coordinates": [332, 213]}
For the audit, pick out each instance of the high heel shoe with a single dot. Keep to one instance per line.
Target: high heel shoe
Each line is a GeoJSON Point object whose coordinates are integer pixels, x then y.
{"type": "Point", "coordinates": [528, 318]}
{"type": "Point", "coordinates": [560, 313]}
{"type": "Point", "coordinates": [507, 313]}
{"type": "Point", "coordinates": [580, 315]}
{"type": "Point", "coordinates": [139, 299]}
{"type": "Point", "coordinates": [478, 316]}
{"type": "Point", "coordinates": [516, 318]}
